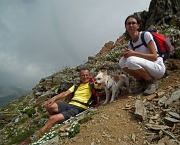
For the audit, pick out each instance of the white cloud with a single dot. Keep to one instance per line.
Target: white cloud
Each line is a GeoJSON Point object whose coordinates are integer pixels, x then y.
{"type": "Point", "coordinates": [39, 37]}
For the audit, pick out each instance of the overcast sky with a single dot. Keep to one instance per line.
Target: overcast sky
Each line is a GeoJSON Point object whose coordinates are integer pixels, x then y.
{"type": "Point", "coordinates": [41, 37]}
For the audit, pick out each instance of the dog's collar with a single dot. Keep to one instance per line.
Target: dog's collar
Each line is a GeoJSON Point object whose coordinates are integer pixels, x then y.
{"type": "Point", "coordinates": [111, 85]}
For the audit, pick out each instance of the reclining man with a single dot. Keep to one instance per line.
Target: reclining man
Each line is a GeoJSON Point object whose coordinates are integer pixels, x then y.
{"type": "Point", "coordinates": [61, 111]}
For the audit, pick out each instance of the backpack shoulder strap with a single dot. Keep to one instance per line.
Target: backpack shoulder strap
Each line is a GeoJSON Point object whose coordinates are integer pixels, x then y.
{"type": "Point", "coordinates": [132, 44]}
{"type": "Point", "coordinates": [142, 38]}
{"type": "Point", "coordinates": [76, 87]}
{"type": "Point", "coordinates": [156, 43]}
{"type": "Point", "coordinates": [91, 84]}
{"type": "Point", "coordinates": [94, 96]}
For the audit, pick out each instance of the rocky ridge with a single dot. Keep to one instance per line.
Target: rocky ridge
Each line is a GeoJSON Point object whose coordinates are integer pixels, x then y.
{"type": "Point", "coordinates": [119, 122]}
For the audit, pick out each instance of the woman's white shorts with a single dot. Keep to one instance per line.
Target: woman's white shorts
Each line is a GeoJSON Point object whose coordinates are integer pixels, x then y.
{"type": "Point", "coordinates": [156, 69]}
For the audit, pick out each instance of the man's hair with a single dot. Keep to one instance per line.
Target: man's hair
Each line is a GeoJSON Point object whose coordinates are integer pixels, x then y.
{"type": "Point", "coordinates": [81, 69]}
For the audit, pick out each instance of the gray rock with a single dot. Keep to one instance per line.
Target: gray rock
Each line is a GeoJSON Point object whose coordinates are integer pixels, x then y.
{"type": "Point", "coordinates": [171, 120]}
{"type": "Point", "coordinates": [161, 102]}
{"type": "Point", "coordinates": [175, 115]}
{"type": "Point", "coordinates": [174, 97]}
{"type": "Point", "coordinates": [157, 127]}
{"type": "Point", "coordinates": [53, 141]}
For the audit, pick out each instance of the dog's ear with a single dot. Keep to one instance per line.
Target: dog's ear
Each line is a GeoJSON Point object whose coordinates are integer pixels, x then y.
{"type": "Point", "coordinates": [105, 72]}
{"type": "Point", "coordinates": [99, 71]}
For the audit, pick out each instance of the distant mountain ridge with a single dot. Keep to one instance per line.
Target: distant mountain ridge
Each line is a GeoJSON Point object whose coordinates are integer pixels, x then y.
{"type": "Point", "coordinates": [10, 93]}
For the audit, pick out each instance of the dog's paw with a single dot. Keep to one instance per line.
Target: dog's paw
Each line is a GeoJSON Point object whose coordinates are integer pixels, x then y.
{"type": "Point", "coordinates": [111, 101]}
{"type": "Point", "coordinates": [129, 91]}
{"type": "Point", "coordinates": [105, 103]}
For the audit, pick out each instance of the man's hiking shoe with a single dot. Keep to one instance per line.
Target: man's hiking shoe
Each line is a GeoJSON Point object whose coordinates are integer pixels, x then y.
{"type": "Point", "coordinates": [33, 138]}
{"type": "Point", "coordinates": [25, 142]}
{"type": "Point", "coordinates": [151, 87]}
{"type": "Point", "coordinates": [140, 87]}
{"type": "Point", "coordinates": [28, 140]}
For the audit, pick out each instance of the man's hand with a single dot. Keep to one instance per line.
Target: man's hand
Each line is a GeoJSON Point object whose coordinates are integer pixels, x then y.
{"type": "Point", "coordinates": [61, 95]}
{"type": "Point", "coordinates": [49, 103]}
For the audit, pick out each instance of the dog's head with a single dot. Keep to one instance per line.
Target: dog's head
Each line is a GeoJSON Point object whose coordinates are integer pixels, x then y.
{"type": "Point", "coordinates": [100, 77]}
{"type": "Point", "coordinates": [103, 79]}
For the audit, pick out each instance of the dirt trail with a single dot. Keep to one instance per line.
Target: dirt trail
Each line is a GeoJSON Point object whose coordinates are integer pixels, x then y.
{"type": "Point", "coordinates": [116, 125]}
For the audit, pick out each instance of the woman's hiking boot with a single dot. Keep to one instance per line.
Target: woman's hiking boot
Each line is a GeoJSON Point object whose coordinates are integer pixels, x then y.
{"type": "Point", "coordinates": [151, 87]}
{"type": "Point", "coordinates": [140, 87]}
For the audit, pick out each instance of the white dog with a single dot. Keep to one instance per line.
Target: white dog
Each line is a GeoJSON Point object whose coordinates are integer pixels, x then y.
{"type": "Point", "coordinates": [112, 84]}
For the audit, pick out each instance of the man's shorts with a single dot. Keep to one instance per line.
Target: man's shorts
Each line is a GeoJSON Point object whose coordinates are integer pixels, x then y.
{"type": "Point", "coordinates": [68, 110]}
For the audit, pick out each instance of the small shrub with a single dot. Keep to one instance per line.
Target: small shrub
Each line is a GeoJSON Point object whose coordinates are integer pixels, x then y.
{"type": "Point", "coordinates": [75, 129]}
{"type": "Point", "coordinates": [176, 54]}
{"type": "Point", "coordinates": [85, 119]}
{"type": "Point", "coordinates": [30, 112]}
{"type": "Point", "coordinates": [40, 109]}
{"type": "Point", "coordinates": [2, 126]}
{"type": "Point", "coordinates": [23, 120]}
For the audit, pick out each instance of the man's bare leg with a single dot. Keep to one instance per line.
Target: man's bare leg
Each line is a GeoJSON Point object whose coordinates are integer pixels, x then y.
{"type": "Point", "coordinates": [54, 119]}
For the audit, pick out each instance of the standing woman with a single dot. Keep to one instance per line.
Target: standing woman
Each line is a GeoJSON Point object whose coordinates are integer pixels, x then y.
{"type": "Point", "coordinates": [143, 63]}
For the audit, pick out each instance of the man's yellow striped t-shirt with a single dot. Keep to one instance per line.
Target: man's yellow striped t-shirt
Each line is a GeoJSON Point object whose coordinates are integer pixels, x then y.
{"type": "Point", "coordinates": [82, 94]}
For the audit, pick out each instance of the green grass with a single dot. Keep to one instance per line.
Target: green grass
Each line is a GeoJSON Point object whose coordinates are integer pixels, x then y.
{"type": "Point", "coordinates": [23, 120]}
{"type": "Point", "coordinates": [87, 118]}
{"type": "Point", "coordinates": [30, 112]}
{"type": "Point", "coordinates": [21, 137]}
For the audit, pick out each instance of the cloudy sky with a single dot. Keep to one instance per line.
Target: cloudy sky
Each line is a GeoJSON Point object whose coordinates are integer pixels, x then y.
{"type": "Point", "coordinates": [41, 37]}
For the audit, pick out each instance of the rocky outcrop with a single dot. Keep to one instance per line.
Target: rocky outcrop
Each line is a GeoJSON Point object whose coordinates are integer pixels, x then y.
{"type": "Point", "coordinates": [162, 11]}
{"type": "Point", "coordinates": [107, 47]}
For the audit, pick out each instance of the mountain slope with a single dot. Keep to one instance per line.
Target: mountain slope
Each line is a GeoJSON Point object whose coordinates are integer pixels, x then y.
{"type": "Point", "coordinates": [10, 93]}
{"type": "Point", "coordinates": [113, 123]}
